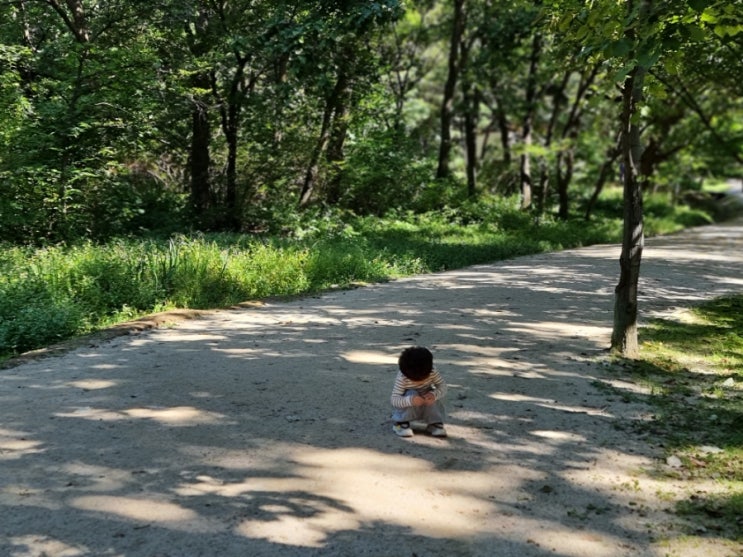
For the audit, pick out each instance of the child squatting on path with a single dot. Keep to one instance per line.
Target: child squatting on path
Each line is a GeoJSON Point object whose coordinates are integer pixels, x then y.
{"type": "Point", "coordinates": [418, 393]}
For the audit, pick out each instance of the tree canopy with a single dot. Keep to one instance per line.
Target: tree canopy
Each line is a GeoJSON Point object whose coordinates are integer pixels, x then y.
{"type": "Point", "coordinates": [130, 116]}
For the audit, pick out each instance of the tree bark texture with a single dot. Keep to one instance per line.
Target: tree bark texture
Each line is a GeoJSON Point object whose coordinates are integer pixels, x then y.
{"type": "Point", "coordinates": [624, 334]}
{"type": "Point", "coordinates": [200, 159]}
{"type": "Point", "coordinates": [612, 154]}
{"type": "Point", "coordinates": [326, 129]}
{"type": "Point", "coordinates": [526, 133]}
{"type": "Point", "coordinates": [447, 105]}
{"type": "Point", "coordinates": [471, 101]}
{"type": "Point", "coordinates": [341, 110]}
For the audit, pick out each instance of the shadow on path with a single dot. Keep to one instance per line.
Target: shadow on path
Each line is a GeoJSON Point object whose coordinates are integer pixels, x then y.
{"type": "Point", "coordinates": [265, 431]}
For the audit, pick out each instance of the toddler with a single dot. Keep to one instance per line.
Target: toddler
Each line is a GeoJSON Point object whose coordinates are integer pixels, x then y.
{"type": "Point", "coordinates": [418, 393]}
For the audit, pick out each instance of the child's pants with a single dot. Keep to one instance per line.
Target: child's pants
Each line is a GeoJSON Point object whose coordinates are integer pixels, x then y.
{"type": "Point", "coordinates": [434, 414]}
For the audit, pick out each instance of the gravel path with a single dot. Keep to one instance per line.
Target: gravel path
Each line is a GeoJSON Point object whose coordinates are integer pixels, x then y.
{"type": "Point", "coordinates": [264, 431]}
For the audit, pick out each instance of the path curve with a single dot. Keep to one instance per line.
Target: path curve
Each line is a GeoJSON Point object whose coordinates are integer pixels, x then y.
{"type": "Point", "coordinates": [264, 431]}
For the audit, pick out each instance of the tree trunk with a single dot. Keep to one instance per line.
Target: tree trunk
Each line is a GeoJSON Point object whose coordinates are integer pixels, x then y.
{"type": "Point", "coordinates": [231, 110]}
{"type": "Point", "coordinates": [471, 101]}
{"type": "Point", "coordinates": [447, 105]}
{"type": "Point", "coordinates": [199, 159]}
{"type": "Point", "coordinates": [313, 168]}
{"type": "Point", "coordinates": [564, 173]}
{"type": "Point", "coordinates": [75, 20]}
{"type": "Point", "coordinates": [624, 335]}
{"type": "Point", "coordinates": [335, 154]}
{"type": "Point", "coordinates": [526, 134]}
{"type": "Point", "coordinates": [558, 101]}
{"type": "Point", "coordinates": [611, 157]}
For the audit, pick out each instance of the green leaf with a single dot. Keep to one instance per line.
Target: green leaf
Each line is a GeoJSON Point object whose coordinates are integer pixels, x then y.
{"type": "Point", "coordinates": [697, 33]}
{"type": "Point", "coordinates": [709, 17]}
{"type": "Point", "coordinates": [648, 59]}
{"type": "Point", "coordinates": [619, 48]}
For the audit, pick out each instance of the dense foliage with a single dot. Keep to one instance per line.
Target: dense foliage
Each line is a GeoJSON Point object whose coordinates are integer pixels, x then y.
{"type": "Point", "coordinates": [51, 293]}
{"type": "Point", "coordinates": [127, 117]}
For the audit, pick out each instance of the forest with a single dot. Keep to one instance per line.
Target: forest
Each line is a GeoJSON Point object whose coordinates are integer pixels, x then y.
{"type": "Point", "coordinates": [144, 119]}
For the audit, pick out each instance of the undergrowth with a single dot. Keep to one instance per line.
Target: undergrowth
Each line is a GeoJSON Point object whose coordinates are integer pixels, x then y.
{"type": "Point", "coordinates": [53, 293]}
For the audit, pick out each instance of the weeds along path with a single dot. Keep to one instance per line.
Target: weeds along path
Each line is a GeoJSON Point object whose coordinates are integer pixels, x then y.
{"type": "Point", "coordinates": [264, 431]}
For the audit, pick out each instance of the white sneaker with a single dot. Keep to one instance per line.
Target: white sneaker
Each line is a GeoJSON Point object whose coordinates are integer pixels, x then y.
{"type": "Point", "coordinates": [402, 429]}
{"type": "Point", "coordinates": [436, 430]}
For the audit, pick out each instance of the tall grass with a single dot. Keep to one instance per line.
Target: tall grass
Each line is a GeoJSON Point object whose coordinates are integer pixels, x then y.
{"type": "Point", "coordinates": [53, 293]}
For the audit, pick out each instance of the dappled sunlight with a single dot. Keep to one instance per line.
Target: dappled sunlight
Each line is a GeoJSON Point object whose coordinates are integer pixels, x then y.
{"type": "Point", "coordinates": [551, 404]}
{"type": "Point", "coordinates": [97, 479]}
{"type": "Point", "coordinates": [178, 416]}
{"type": "Point", "coordinates": [106, 367]}
{"type": "Point", "coordinates": [367, 488]}
{"type": "Point", "coordinates": [680, 255]}
{"type": "Point", "coordinates": [267, 429]}
{"type": "Point", "coordinates": [165, 514]}
{"type": "Point", "coordinates": [247, 353]}
{"type": "Point", "coordinates": [181, 335]}
{"type": "Point", "coordinates": [94, 414]}
{"type": "Point", "coordinates": [41, 545]}
{"type": "Point", "coordinates": [369, 357]}
{"type": "Point", "coordinates": [558, 436]}
{"type": "Point", "coordinates": [93, 384]}
{"type": "Point", "coordinates": [630, 386]}
{"type": "Point", "coordinates": [730, 281]}
{"type": "Point", "coordinates": [17, 444]}
{"type": "Point", "coordinates": [550, 331]}
{"type": "Point", "coordinates": [294, 530]}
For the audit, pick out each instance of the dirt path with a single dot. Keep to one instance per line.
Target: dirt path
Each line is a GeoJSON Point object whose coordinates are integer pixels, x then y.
{"type": "Point", "coordinates": [264, 431]}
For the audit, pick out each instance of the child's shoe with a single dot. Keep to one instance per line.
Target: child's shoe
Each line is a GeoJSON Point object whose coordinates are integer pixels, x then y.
{"type": "Point", "coordinates": [436, 430]}
{"type": "Point", "coordinates": [402, 429]}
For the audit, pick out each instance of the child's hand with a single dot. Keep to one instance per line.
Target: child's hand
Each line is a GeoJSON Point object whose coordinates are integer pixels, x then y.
{"type": "Point", "coordinates": [429, 398]}
{"type": "Point", "coordinates": [419, 401]}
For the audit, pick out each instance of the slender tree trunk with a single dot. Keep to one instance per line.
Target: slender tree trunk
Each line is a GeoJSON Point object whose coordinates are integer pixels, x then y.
{"type": "Point", "coordinates": [447, 105]}
{"type": "Point", "coordinates": [231, 110]}
{"type": "Point", "coordinates": [230, 200]}
{"type": "Point", "coordinates": [526, 134]}
{"type": "Point", "coordinates": [558, 98]}
{"type": "Point", "coordinates": [341, 112]}
{"type": "Point", "coordinates": [611, 158]}
{"type": "Point", "coordinates": [564, 172]}
{"type": "Point", "coordinates": [470, 135]}
{"type": "Point", "coordinates": [471, 101]}
{"type": "Point", "coordinates": [624, 334]}
{"type": "Point", "coordinates": [505, 134]}
{"type": "Point", "coordinates": [313, 168]}
{"type": "Point", "coordinates": [200, 159]}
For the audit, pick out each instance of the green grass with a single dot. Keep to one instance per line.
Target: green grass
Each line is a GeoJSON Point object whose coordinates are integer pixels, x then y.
{"type": "Point", "coordinates": [54, 293]}
{"type": "Point", "coordinates": [693, 367]}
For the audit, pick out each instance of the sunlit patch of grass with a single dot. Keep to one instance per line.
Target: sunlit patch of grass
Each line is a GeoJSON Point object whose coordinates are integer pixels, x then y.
{"type": "Point", "coordinates": [690, 373]}
{"type": "Point", "coordinates": [692, 366]}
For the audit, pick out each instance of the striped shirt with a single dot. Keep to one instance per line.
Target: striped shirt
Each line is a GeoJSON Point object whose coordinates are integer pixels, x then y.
{"type": "Point", "coordinates": [433, 382]}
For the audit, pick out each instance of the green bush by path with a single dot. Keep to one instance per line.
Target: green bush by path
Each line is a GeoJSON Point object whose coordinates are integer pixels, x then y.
{"type": "Point", "coordinates": [53, 293]}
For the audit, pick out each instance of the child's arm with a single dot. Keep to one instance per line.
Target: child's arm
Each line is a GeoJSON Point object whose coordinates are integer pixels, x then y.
{"type": "Point", "coordinates": [398, 398]}
{"type": "Point", "coordinates": [440, 385]}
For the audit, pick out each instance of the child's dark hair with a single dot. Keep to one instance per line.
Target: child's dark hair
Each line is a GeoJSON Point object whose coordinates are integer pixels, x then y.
{"type": "Point", "coordinates": [416, 363]}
